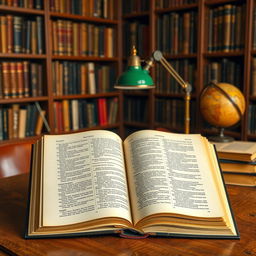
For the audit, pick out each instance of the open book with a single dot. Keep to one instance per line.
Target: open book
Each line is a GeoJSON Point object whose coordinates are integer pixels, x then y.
{"type": "Point", "coordinates": [153, 183]}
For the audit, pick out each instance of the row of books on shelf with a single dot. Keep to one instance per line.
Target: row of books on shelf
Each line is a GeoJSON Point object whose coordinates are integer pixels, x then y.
{"type": "Point", "coordinates": [252, 119]}
{"type": "Point", "coordinates": [167, 84]}
{"type": "Point", "coordinates": [21, 79]}
{"type": "Point", "coordinates": [172, 3]}
{"type": "Point", "coordinates": [78, 114]}
{"type": "Point", "coordinates": [134, 6]}
{"type": "Point", "coordinates": [254, 34]}
{"type": "Point", "coordinates": [136, 109]}
{"type": "Point", "coordinates": [95, 8]}
{"type": "Point", "coordinates": [224, 70]}
{"type": "Point", "coordinates": [253, 77]}
{"type": "Point", "coordinates": [80, 38]}
{"type": "Point", "coordinates": [21, 34]}
{"type": "Point", "coordinates": [226, 29]}
{"type": "Point", "coordinates": [177, 32]}
{"type": "Point", "coordinates": [32, 4]}
{"type": "Point", "coordinates": [82, 78]}
{"type": "Point", "coordinates": [238, 162]}
{"type": "Point", "coordinates": [136, 33]}
{"type": "Point", "coordinates": [20, 121]}
{"type": "Point", "coordinates": [170, 113]}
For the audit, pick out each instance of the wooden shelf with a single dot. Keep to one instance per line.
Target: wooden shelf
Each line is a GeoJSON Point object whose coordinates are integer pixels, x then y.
{"type": "Point", "coordinates": [224, 54]}
{"type": "Point", "coordinates": [23, 100]}
{"type": "Point", "coordinates": [172, 95]}
{"type": "Point", "coordinates": [136, 15]}
{"type": "Point", "coordinates": [22, 56]}
{"type": "Point", "coordinates": [136, 124]}
{"type": "Point", "coordinates": [87, 96]}
{"type": "Point", "coordinates": [218, 2]}
{"type": "Point", "coordinates": [19, 10]}
{"type": "Point", "coordinates": [84, 58]}
{"type": "Point", "coordinates": [180, 56]}
{"type": "Point", "coordinates": [177, 8]}
{"type": "Point", "coordinates": [82, 18]}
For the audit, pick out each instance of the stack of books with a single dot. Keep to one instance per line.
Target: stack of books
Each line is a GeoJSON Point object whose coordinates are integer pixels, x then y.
{"type": "Point", "coordinates": [238, 162]}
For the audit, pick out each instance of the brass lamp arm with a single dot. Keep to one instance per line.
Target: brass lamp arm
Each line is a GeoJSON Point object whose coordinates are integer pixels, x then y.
{"type": "Point", "coordinates": [158, 56]}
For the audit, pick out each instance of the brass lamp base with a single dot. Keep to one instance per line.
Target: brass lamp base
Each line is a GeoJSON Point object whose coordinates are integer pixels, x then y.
{"type": "Point", "coordinates": [221, 137]}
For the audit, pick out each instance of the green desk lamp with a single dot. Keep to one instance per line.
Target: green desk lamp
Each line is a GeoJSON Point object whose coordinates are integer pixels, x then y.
{"type": "Point", "coordinates": [136, 77]}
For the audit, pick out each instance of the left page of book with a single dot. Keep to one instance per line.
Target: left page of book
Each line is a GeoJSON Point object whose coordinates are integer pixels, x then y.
{"type": "Point", "coordinates": [83, 178]}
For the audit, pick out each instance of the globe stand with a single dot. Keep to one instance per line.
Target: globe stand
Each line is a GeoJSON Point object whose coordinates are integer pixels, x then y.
{"type": "Point", "coordinates": [221, 137]}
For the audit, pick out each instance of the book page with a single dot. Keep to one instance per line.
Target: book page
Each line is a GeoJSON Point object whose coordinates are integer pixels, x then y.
{"type": "Point", "coordinates": [170, 173]}
{"type": "Point", "coordinates": [84, 178]}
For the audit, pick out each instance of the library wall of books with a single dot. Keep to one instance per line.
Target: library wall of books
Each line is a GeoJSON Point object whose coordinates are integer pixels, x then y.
{"type": "Point", "coordinates": [59, 60]}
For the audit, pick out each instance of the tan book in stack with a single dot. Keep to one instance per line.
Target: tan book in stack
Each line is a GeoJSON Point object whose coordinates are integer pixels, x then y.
{"type": "Point", "coordinates": [238, 162]}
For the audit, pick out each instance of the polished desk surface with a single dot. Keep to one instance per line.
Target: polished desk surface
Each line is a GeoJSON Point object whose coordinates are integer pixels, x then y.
{"type": "Point", "coordinates": [13, 198]}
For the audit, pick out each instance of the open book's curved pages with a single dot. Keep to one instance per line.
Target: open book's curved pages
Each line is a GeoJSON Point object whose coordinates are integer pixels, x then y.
{"type": "Point", "coordinates": [154, 183]}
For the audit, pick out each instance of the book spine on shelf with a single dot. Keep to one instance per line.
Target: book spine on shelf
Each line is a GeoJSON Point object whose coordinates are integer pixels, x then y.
{"type": "Point", "coordinates": [39, 34]}
{"type": "Point", "coordinates": [13, 79]}
{"type": "Point", "coordinates": [9, 33]}
{"type": "Point", "coordinates": [20, 81]}
{"type": "Point", "coordinates": [26, 78]}
{"type": "Point", "coordinates": [6, 79]}
{"type": "Point", "coordinates": [3, 34]}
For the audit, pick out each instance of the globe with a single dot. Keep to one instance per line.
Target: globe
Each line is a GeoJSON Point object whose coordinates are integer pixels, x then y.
{"type": "Point", "coordinates": [222, 105]}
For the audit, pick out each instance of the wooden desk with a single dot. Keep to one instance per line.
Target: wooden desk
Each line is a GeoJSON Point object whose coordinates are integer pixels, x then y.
{"type": "Point", "coordinates": [13, 197]}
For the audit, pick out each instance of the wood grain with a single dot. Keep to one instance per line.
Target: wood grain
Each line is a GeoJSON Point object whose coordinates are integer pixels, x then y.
{"type": "Point", "coordinates": [13, 198]}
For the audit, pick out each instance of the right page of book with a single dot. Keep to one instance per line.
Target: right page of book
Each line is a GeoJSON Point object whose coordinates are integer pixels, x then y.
{"type": "Point", "coordinates": [173, 173]}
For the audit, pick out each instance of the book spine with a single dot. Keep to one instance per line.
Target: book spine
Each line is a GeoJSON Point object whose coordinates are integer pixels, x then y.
{"type": "Point", "coordinates": [227, 27]}
{"type": "Point", "coordinates": [39, 123]}
{"type": "Point", "coordinates": [39, 79]}
{"type": "Point", "coordinates": [66, 74]}
{"type": "Point", "coordinates": [69, 37]}
{"type": "Point", "coordinates": [5, 123]}
{"type": "Point", "coordinates": [253, 84]}
{"type": "Point", "coordinates": [1, 124]}
{"type": "Point", "coordinates": [75, 115]}
{"type": "Point", "coordinates": [39, 34]}
{"type": "Point", "coordinates": [17, 27]}
{"type": "Point", "coordinates": [75, 39]}
{"type": "Point", "coordinates": [66, 115]}
{"type": "Point", "coordinates": [6, 79]}
{"type": "Point", "coordinates": [3, 34]}
{"type": "Point", "coordinates": [33, 79]}
{"type": "Point", "coordinates": [9, 33]}
{"type": "Point", "coordinates": [83, 79]}
{"type": "Point", "coordinates": [28, 36]}
{"type": "Point", "coordinates": [28, 120]}
{"type": "Point", "coordinates": [22, 123]}
{"type": "Point", "coordinates": [55, 37]}
{"type": "Point", "coordinates": [38, 4]}
{"type": "Point", "coordinates": [26, 78]}
{"type": "Point", "coordinates": [1, 82]}
{"type": "Point", "coordinates": [10, 123]}
{"type": "Point", "coordinates": [13, 78]}
{"type": "Point", "coordinates": [91, 78]}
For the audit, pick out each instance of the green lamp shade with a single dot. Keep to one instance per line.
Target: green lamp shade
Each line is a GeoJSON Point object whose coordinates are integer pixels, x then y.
{"type": "Point", "coordinates": [135, 78]}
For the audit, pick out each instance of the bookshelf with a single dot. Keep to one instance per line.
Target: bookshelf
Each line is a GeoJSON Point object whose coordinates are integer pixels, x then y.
{"type": "Point", "coordinates": [65, 56]}
{"type": "Point", "coordinates": [59, 60]}
{"type": "Point", "coordinates": [204, 40]}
